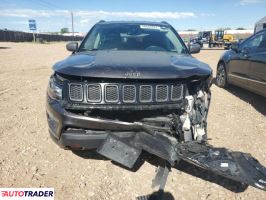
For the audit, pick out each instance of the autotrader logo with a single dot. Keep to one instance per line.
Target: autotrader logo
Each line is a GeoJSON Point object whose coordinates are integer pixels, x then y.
{"type": "Point", "coordinates": [27, 193]}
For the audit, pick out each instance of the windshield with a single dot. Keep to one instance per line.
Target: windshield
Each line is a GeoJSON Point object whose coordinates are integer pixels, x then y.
{"type": "Point", "coordinates": [132, 37]}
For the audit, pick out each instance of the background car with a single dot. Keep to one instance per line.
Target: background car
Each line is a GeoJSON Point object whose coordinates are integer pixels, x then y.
{"type": "Point", "coordinates": [245, 65]}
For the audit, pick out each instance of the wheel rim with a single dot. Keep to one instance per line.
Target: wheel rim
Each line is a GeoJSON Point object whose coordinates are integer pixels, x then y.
{"type": "Point", "coordinates": [220, 75]}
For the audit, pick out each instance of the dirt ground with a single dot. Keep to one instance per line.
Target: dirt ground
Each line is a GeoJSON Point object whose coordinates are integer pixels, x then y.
{"type": "Point", "coordinates": [29, 158]}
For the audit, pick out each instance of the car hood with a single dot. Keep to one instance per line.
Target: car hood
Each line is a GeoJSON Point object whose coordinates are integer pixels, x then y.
{"type": "Point", "coordinates": [132, 64]}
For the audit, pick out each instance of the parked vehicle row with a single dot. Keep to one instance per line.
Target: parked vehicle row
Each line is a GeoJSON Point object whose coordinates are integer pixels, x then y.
{"type": "Point", "coordinates": [245, 65]}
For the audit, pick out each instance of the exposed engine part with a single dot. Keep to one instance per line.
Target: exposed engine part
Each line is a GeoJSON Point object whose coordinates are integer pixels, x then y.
{"type": "Point", "coordinates": [185, 118]}
{"type": "Point", "coordinates": [194, 118]}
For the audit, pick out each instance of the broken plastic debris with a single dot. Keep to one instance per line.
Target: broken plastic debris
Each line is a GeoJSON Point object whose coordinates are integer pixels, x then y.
{"type": "Point", "coordinates": [224, 164]}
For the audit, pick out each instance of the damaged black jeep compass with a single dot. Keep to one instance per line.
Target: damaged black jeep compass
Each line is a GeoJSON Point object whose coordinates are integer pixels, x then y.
{"type": "Point", "coordinates": [133, 86]}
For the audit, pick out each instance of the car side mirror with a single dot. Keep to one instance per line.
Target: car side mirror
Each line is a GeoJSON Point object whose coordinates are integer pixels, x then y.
{"type": "Point", "coordinates": [245, 51]}
{"type": "Point", "coordinates": [194, 48]}
{"type": "Point", "coordinates": [72, 46]}
{"type": "Point", "coordinates": [235, 47]}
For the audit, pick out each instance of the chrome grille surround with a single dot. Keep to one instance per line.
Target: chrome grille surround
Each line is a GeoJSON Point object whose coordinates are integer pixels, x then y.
{"type": "Point", "coordinates": [161, 93]}
{"type": "Point", "coordinates": [123, 93]}
{"type": "Point", "coordinates": [94, 93]}
{"type": "Point", "coordinates": [111, 93]}
{"type": "Point", "coordinates": [145, 93]}
{"type": "Point", "coordinates": [129, 93]}
{"type": "Point", "coordinates": [76, 92]}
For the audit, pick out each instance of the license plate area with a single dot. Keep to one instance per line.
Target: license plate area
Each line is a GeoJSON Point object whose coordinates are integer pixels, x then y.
{"type": "Point", "coordinates": [119, 151]}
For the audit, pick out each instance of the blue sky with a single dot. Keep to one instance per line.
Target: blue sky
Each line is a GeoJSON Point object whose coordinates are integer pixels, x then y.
{"type": "Point", "coordinates": [52, 15]}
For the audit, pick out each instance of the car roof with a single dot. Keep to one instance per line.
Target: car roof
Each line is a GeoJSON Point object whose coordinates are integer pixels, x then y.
{"type": "Point", "coordinates": [163, 23]}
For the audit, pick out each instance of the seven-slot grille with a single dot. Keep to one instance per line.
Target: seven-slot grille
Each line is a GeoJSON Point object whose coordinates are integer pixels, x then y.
{"type": "Point", "coordinates": [111, 93]}
{"type": "Point", "coordinates": [161, 93]}
{"type": "Point", "coordinates": [75, 92]}
{"type": "Point", "coordinates": [176, 90]}
{"type": "Point", "coordinates": [145, 94]}
{"type": "Point", "coordinates": [129, 93]}
{"type": "Point", "coordinates": [125, 93]}
{"type": "Point", "coordinates": [94, 93]}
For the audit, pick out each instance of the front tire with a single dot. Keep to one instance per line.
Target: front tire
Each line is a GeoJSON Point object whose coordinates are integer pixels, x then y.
{"type": "Point", "coordinates": [221, 76]}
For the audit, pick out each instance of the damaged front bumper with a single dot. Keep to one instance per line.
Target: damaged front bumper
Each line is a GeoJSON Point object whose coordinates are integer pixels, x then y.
{"type": "Point", "coordinates": [82, 132]}
{"type": "Point", "coordinates": [237, 166]}
{"type": "Point", "coordinates": [124, 142]}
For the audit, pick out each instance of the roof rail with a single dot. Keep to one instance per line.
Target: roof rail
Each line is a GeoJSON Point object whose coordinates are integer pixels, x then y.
{"type": "Point", "coordinates": [164, 22]}
{"type": "Point", "coordinates": [101, 21]}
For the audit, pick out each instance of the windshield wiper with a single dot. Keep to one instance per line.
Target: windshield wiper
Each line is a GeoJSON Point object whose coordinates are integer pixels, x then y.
{"type": "Point", "coordinates": [93, 49]}
{"type": "Point", "coordinates": [174, 51]}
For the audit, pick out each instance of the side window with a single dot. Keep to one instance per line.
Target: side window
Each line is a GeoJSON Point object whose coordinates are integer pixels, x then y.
{"type": "Point", "coordinates": [253, 43]}
{"type": "Point", "coordinates": [97, 41]}
{"type": "Point", "coordinates": [174, 45]}
{"type": "Point", "coordinates": [262, 45]}
{"type": "Point", "coordinates": [92, 41]}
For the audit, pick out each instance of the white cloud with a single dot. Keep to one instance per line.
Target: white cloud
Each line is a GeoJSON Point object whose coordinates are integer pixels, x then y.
{"type": "Point", "coordinates": [85, 21]}
{"type": "Point", "coordinates": [52, 20]}
{"type": "Point", "coordinates": [143, 15]}
{"type": "Point", "coordinates": [26, 13]}
{"type": "Point", "coordinates": [20, 22]}
{"type": "Point", "coordinates": [32, 13]}
{"type": "Point", "coordinates": [246, 2]}
{"type": "Point", "coordinates": [207, 14]}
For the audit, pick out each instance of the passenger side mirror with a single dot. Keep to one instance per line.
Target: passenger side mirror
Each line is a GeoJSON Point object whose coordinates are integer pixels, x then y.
{"type": "Point", "coordinates": [72, 46]}
{"type": "Point", "coordinates": [245, 52]}
{"type": "Point", "coordinates": [194, 48]}
{"type": "Point", "coordinates": [235, 47]}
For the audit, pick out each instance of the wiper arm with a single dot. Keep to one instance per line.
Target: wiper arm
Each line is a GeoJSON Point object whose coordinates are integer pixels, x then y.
{"type": "Point", "coordinates": [94, 49]}
{"type": "Point", "coordinates": [172, 50]}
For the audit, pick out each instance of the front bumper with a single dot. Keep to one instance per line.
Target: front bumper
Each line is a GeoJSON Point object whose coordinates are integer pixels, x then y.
{"type": "Point", "coordinates": [91, 133]}
{"type": "Point", "coordinates": [74, 131]}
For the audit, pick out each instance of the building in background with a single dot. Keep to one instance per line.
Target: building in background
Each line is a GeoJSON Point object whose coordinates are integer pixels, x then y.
{"type": "Point", "coordinates": [261, 24]}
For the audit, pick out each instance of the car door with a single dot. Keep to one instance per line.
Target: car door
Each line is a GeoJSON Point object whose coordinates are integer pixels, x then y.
{"type": "Point", "coordinates": [238, 66]}
{"type": "Point", "coordinates": [257, 71]}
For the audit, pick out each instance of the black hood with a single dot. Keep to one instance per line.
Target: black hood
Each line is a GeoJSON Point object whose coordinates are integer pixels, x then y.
{"type": "Point", "coordinates": [132, 64]}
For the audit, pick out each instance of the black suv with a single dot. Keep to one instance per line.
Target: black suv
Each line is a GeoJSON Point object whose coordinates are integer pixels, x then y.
{"type": "Point", "coordinates": [125, 78]}
{"type": "Point", "coordinates": [131, 87]}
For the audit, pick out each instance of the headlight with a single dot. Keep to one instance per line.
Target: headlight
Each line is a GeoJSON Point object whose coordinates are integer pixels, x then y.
{"type": "Point", "coordinates": [209, 80]}
{"type": "Point", "coordinates": [54, 90]}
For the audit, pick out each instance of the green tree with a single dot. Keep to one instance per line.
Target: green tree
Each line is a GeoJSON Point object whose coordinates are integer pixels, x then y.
{"type": "Point", "coordinates": [240, 28]}
{"type": "Point", "coordinates": [64, 30]}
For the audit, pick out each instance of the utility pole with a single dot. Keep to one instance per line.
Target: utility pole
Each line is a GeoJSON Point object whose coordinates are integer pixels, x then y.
{"type": "Point", "coordinates": [72, 23]}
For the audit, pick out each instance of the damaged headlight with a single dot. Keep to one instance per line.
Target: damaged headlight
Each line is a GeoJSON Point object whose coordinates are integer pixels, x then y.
{"type": "Point", "coordinates": [54, 89]}
{"type": "Point", "coordinates": [209, 80]}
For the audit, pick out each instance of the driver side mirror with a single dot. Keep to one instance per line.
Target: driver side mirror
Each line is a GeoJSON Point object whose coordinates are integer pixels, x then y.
{"type": "Point", "coordinates": [72, 46]}
{"type": "Point", "coordinates": [235, 47]}
{"type": "Point", "coordinates": [194, 48]}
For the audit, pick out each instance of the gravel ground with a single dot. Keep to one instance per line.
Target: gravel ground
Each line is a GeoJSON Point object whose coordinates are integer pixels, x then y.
{"type": "Point", "coordinates": [29, 158]}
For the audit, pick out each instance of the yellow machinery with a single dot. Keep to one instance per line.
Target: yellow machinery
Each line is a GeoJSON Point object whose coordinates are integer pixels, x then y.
{"type": "Point", "coordinates": [229, 38]}
{"type": "Point", "coordinates": [222, 39]}
{"type": "Point", "coordinates": [215, 38]}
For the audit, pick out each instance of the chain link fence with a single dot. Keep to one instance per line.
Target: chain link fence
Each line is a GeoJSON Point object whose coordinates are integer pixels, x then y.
{"type": "Point", "coordinates": [17, 36]}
